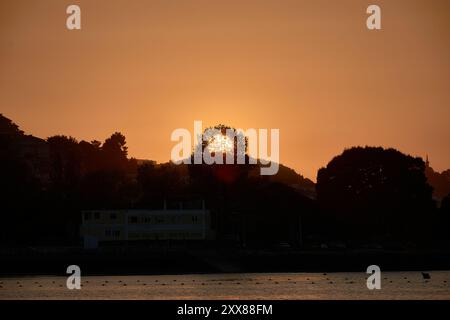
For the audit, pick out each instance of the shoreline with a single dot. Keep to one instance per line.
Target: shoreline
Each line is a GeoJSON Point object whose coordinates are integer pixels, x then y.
{"type": "Point", "coordinates": [243, 286]}
{"type": "Point", "coordinates": [208, 261]}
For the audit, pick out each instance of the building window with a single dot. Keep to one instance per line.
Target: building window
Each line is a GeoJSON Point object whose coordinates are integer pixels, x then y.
{"type": "Point", "coordinates": [96, 215]}
{"type": "Point", "coordinates": [147, 220]}
{"type": "Point", "coordinates": [132, 219]}
{"type": "Point", "coordinates": [108, 232]}
{"type": "Point", "coordinates": [113, 216]}
{"type": "Point", "coordinates": [116, 233]}
{"type": "Point", "coordinates": [194, 219]}
{"type": "Point", "coordinates": [87, 215]}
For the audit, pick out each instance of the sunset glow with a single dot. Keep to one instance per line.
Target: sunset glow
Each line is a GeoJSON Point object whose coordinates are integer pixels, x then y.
{"type": "Point", "coordinates": [213, 153]}
{"type": "Point", "coordinates": [220, 143]}
{"type": "Point", "coordinates": [309, 68]}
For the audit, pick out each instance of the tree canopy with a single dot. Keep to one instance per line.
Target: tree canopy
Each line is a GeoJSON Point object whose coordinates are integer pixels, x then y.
{"type": "Point", "coordinates": [375, 188]}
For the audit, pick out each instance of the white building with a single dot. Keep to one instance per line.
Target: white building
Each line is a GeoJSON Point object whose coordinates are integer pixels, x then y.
{"type": "Point", "coordinates": [131, 225]}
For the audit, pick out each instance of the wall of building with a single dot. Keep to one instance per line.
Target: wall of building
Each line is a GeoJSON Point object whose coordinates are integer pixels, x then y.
{"type": "Point", "coordinates": [131, 225]}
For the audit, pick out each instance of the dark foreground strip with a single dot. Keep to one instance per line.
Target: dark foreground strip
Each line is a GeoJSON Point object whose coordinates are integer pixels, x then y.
{"type": "Point", "coordinates": [226, 309]}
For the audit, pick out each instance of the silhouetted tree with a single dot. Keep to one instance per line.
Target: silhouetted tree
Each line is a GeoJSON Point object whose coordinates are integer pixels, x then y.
{"type": "Point", "coordinates": [7, 127]}
{"type": "Point", "coordinates": [443, 223]}
{"type": "Point", "coordinates": [115, 152]}
{"type": "Point", "coordinates": [65, 160]}
{"type": "Point", "coordinates": [91, 156]}
{"type": "Point", "coordinates": [161, 182]}
{"type": "Point", "coordinates": [445, 205]}
{"type": "Point", "coordinates": [375, 192]}
{"type": "Point", "coordinates": [20, 190]}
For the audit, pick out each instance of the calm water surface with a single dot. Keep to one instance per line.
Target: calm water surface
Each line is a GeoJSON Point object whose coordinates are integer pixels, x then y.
{"type": "Point", "coordinates": [394, 285]}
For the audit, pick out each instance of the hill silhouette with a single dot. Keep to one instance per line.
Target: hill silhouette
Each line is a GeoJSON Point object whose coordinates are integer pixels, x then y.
{"type": "Point", "coordinates": [364, 195]}
{"type": "Point", "coordinates": [439, 181]}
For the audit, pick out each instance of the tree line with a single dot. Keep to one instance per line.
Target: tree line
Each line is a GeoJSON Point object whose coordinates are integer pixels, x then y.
{"type": "Point", "coordinates": [365, 195]}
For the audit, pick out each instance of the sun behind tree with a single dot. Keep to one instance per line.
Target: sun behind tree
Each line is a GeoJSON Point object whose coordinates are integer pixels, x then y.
{"type": "Point", "coordinates": [226, 140]}
{"type": "Point", "coordinates": [220, 143]}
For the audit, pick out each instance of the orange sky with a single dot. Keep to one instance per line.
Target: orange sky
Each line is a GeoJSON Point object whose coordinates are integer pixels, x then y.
{"type": "Point", "coordinates": [309, 68]}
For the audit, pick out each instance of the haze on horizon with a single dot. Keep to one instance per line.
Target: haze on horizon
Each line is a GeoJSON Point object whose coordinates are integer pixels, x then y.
{"type": "Point", "coordinates": [309, 68]}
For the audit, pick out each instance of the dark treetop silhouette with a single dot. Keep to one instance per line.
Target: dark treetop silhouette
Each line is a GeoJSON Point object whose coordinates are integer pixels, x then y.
{"type": "Point", "coordinates": [378, 192]}
{"type": "Point", "coordinates": [366, 195]}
